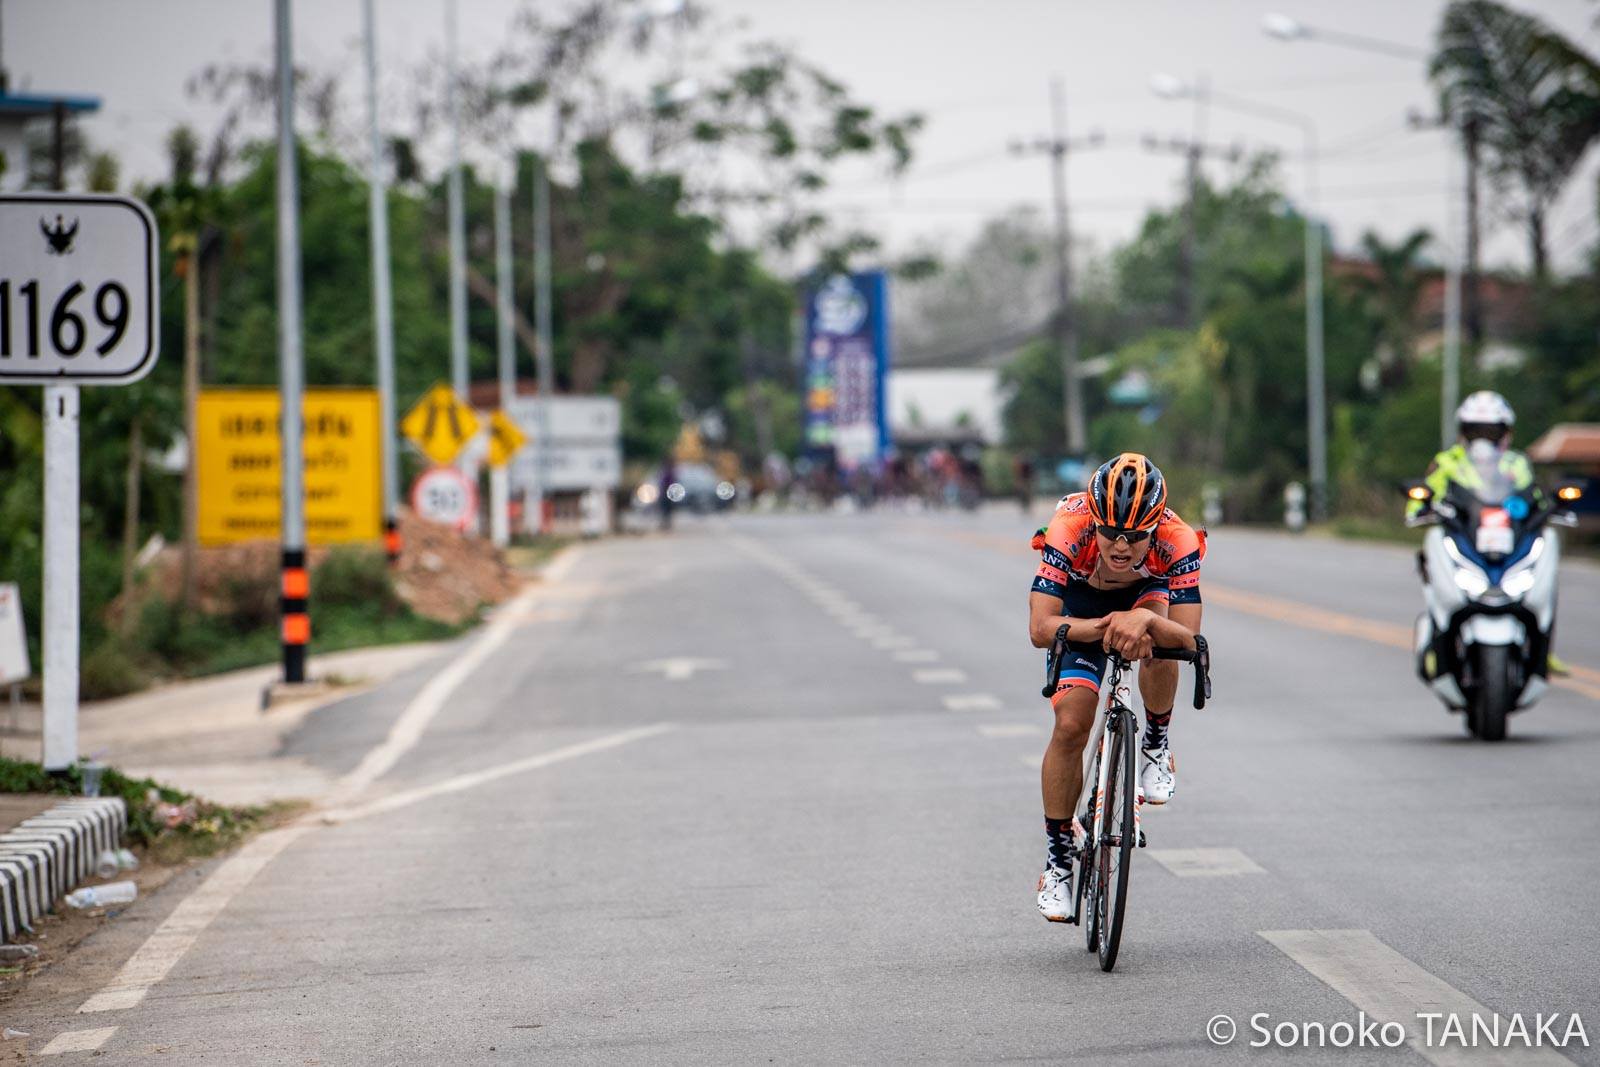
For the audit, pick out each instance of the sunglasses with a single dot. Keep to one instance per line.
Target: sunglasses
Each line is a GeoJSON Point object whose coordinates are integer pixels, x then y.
{"type": "Point", "coordinates": [1112, 533]}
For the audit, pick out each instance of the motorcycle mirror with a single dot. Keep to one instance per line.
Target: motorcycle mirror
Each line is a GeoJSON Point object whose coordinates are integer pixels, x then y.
{"type": "Point", "coordinates": [1569, 493]}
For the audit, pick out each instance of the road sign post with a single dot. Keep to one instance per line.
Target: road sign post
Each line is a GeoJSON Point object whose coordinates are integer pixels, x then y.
{"type": "Point", "coordinates": [77, 307]}
{"type": "Point", "coordinates": [505, 439]}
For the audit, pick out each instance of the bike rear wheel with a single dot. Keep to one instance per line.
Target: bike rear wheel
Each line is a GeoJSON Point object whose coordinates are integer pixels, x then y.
{"type": "Point", "coordinates": [1114, 857]}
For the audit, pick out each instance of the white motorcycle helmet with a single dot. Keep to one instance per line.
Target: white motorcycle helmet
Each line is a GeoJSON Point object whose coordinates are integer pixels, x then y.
{"type": "Point", "coordinates": [1484, 421]}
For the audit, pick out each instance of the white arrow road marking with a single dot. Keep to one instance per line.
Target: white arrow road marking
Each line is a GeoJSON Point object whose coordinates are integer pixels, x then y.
{"type": "Point", "coordinates": [1010, 729]}
{"type": "Point", "coordinates": [78, 1041]}
{"type": "Point", "coordinates": [1390, 988]}
{"type": "Point", "coordinates": [940, 676]}
{"type": "Point", "coordinates": [972, 702]}
{"type": "Point", "coordinates": [1204, 862]}
{"type": "Point", "coordinates": [679, 669]}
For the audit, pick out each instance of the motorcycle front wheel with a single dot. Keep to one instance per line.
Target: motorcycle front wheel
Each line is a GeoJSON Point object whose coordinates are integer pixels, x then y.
{"type": "Point", "coordinates": [1490, 702]}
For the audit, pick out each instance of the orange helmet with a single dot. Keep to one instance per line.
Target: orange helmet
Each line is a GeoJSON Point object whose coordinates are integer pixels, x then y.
{"type": "Point", "coordinates": [1127, 493]}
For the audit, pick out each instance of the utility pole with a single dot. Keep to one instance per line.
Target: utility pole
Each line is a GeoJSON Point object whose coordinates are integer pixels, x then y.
{"type": "Point", "coordinates": [1057, 146]}
{"type": "Point", "coordinates": [191, 413]}
{"type": "Point", "coordinates": [382, 296]}
{"type": "Point", "coordinates": [1187, 300]}
{"type": "Point", "coordinates": [457, 207]}
{"type": "Point", "coordinates": [545, 355]}
{"type": "Point", "coordinates": [296, 588]}
{"type": "Point", "coordinates": [500, 477]}
{"type": "Point", "coordinates": [1471, 135]}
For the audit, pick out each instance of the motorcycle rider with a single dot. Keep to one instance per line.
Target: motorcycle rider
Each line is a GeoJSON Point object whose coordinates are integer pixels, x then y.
{"type": "Point", "coordinates": [1483, 429]}
{"type": "Point", "coordinates": [1484, 422]}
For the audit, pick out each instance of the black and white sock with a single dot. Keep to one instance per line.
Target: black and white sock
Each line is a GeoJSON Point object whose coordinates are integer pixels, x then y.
{"type": "Point", "coordinates": [1155, 728]}
{"type": "Point", "coordinates": [1058, 842]}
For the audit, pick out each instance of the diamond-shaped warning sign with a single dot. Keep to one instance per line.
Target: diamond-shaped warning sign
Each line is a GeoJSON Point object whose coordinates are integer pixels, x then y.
{"type": "Point", "coordinates": [440, 424]}
{"type": "Point", "coordinates": [505, 439]}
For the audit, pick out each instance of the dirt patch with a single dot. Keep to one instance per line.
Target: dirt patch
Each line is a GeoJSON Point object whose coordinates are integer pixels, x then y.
{"type": "Point", "coordinates": [442, 574]}
{"type": "Point", "coordinates": [447, 576]}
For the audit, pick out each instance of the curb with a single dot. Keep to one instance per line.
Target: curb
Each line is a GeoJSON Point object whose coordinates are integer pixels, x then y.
{"type": "Point", "coordinates": [45, 857]}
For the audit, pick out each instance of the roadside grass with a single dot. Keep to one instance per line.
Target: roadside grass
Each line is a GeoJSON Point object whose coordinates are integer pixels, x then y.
{"type": "Point", "coordinates": [169, 825]}
{"type": "Point", "coordinates": [354, 605]}
{"type": "Point", "coordinates": [531, 553]}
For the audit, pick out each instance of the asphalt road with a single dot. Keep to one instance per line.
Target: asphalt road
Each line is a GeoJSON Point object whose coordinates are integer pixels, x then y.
{"type": "Point", "coordinates": [765, 789]}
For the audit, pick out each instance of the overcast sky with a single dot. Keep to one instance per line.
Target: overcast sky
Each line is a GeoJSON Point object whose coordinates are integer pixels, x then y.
{"type": "Point", "coordinates": [979, 72]}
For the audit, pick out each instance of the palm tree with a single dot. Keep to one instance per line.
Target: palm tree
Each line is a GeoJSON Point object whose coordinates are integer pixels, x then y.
{"type": "Point", "coordinates": [1524, 94]}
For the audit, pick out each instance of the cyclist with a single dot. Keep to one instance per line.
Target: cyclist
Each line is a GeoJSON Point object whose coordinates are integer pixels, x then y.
{"type": "Point", "coordinates": [1121, 571]}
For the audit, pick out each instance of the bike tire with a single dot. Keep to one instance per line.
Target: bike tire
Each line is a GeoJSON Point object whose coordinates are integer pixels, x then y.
{"type": "Point", "coordinates": [1115, 854]}
{"type": "Point", "coordinates": [1491, 703]}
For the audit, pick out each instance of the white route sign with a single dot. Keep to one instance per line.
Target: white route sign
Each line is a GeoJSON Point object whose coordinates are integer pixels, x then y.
{"type": "Point", "coordinates": [13, 636]}
{"type": "Point", "coordinates": [78, 290]}
{"type": "Point", "coordinates": [446, 496]}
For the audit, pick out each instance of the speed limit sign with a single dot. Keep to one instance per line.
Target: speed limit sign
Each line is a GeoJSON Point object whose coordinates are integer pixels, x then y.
{"type": "Point", "coordinates": [446, 496]}
{"type": "Point", "coordinates": [77, 290]}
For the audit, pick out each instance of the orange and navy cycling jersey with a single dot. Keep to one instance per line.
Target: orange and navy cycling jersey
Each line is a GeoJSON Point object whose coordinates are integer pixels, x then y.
{"type": "Point", "coordinates": [1069, 553]}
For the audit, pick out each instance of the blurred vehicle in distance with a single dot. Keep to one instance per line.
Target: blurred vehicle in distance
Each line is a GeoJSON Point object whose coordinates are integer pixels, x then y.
{"type": "Point", "coordinates": [696, 487]}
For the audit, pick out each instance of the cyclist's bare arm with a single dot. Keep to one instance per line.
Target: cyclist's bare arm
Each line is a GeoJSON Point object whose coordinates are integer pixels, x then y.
{"type": "Point", "coordinates": [1135, 632]}
{"type": "Point", "coordinates": [1044, 618]}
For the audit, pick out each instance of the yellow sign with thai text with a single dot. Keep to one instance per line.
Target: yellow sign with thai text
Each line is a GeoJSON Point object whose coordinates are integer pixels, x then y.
{"type": "Point", "coordinates": [239, 453]}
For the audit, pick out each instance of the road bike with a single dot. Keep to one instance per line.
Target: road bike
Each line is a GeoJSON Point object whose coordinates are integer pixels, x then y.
{"type": "Point", "coordinates": [1106, 826]}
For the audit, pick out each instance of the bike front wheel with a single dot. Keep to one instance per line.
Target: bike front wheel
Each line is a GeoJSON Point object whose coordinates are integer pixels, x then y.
{"type": "Point", "coordinates": [1114, 857]}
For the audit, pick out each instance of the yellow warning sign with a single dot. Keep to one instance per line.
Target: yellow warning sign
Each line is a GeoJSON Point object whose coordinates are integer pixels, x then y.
{"type": "Point", "coordinates": [440, 424]}
{"type": "Point", "coordinates": [505, 439]}
{"type": "Point", "coordinates": [238, 453]}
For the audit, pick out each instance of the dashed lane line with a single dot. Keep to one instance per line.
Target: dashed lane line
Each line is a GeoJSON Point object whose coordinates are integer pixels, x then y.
{"type": "Point", "coordinates": [972, 702]}
{"type": "Point", "coordinates": [1204, 862]}
{"type": "Point", "coordinates": [1009, 730]}
{"type": "Point", "coordinates": [940, 676]}
{"type": "Point", "coordinates": [916, 655]}
{"type": "Point", "coordinates": [1391, 988]}
{"type": "Point", "coordinates": [78, 1041]}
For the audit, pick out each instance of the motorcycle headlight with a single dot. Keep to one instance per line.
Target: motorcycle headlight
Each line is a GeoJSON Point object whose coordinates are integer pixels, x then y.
{"type": "Point", "coordinates": [1519, 579]}
{"type": "Point", "coordinates": [1518, 582]}
{"type": "Point", "coordinates": [1469, 577]}
{"type": "Point", "coordinates": [1471, 581]}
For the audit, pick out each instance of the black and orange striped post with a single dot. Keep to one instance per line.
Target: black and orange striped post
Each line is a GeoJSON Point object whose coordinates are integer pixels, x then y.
{"type": "Point", "coordinates": [295, 606]}
{"type": "Point", "coordinates": [391, 540]}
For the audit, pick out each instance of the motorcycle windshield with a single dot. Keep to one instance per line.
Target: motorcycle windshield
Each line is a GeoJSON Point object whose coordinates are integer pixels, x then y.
{"type": "Point", "coordinates": [1494, 486]}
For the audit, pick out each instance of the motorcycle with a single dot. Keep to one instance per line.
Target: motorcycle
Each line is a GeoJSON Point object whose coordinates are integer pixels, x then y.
{"type": "Point", "coordinates": [1488, 566]}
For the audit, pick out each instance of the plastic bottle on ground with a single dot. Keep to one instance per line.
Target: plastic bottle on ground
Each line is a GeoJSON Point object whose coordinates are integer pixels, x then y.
{"type": "Point", "coordinates": [98, 896]}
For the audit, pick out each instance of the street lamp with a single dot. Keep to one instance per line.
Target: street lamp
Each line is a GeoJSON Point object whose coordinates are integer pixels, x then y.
{"type": "Point", "coordinates": [1286, 28]}
{"type": "Point", "coordinates": [1170, 87]}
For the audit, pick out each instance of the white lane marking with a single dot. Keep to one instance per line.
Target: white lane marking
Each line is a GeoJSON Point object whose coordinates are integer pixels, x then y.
{"type": "Point", "coordinates": [153, 959]}
{"type": "Point", "coordinates": [886, 642]}
{"type": "Point", "coordinates": [916, 655]}
{"type": "Point", "coordinates": [466, 781]}
{"type": "Point", "coordinates": [1010, 729]}
{"type": "Point", "coordinates": [1390, 988]}
{"type": "Point", "coordinates": [78, 1041]}
{"type": "Point", "coordinates": [1033, 761]}
{"type": "Point", "coordinates": [972, 702]}
{"type": "Point", "coordinates": [407, 729]}
{"type": "Point", "coordinates": [1204, 862]}
{"type": "Point", "coordinates": [174, 937]}
{"type": "Point", "coordinates": [679, 669]}
{"type": "Point", "coordinates": [940, 676]}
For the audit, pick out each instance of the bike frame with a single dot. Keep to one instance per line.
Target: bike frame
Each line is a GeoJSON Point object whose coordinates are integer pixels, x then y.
{"type": "Point", "coordinates": [1116, 696]}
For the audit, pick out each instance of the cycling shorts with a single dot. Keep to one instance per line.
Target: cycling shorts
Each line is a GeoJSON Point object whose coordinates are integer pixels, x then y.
{"type": "Point", "coordinates": [1084, 662]}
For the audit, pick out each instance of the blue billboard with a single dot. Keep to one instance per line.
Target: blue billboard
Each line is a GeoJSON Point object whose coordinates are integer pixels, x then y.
{"type": "Point", "coordinates": [847, 368]}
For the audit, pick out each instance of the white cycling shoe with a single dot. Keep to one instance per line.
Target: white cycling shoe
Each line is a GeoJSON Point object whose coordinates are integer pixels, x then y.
{"type": "Point", "coordinates": [1158, 778]}
{"type": "Point", "coordinates": [1055, 894]}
